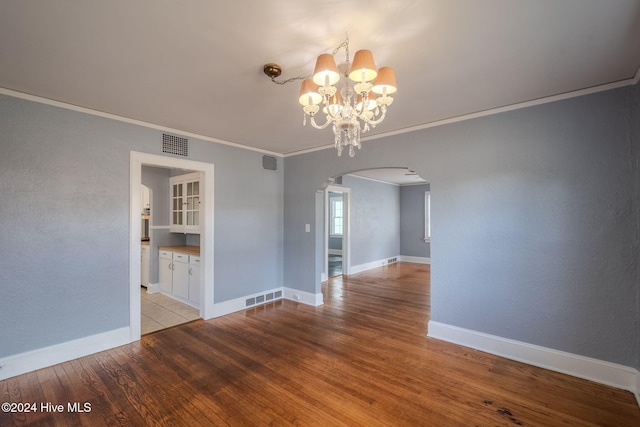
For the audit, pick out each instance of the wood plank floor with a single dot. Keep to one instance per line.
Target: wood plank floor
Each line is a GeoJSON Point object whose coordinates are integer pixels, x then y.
{"type": "Point", "coordinates": [361, 359]}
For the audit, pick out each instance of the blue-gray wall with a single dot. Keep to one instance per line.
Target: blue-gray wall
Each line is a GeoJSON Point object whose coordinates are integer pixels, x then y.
{"type": "Point", "coordinates": [412, 221]}
{"type": "Point", "coordinates": [64, 222]}
{"type": "Point", "coordinates": [534, 221]}
{"type": "Point", "coordinates": [535, 216]}
{"type": "Point", "coordinates": [374, 219]}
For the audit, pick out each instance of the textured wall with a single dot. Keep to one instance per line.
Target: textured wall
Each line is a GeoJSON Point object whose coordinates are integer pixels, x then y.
{"type": "Point", "coordinates": [64, 222]}
{"type": "Point", "coordinates": [534, 220]}
{"type": "Point", "coordinates": [375, 220]}
{"type": "Point", "coordinates": [412, 222]}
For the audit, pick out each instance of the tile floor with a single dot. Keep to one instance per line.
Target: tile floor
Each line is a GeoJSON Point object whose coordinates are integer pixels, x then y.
{"type": "Point", "coordinates": [160, 312]}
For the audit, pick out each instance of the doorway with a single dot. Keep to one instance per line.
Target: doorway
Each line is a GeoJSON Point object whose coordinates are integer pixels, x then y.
{"type": "Point", "coordinates": [336, 247]}
{"type": "Point", "coordinates": [137, 160]}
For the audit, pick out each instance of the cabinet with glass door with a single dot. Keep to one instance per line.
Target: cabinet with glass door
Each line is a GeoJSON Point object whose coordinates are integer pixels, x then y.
{"type": "Point", "coordinates": [186, 199]}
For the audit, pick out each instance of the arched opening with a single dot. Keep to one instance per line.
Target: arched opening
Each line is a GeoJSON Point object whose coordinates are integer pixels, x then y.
{"type": "Point", "coordinates": [389, 216]}
{"type": "Point", "coordinates": [376, 220]}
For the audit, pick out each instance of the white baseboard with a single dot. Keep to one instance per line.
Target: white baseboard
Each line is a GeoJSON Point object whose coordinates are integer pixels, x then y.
{"type": "Point", "coordinates": [153, 288]}
{"type": "Point", "coordinates": [414, 259]}
{"type": "Point", "coordinates": [303, 297]}
{"type": "Point", "coordinates": [371, 265]}
{"type": "Point", "coordinates": [612, 374]}
{"type": "Point", "coordinates": [239, 304]}
{"type": "Point", "coordinates": [22, 363]}
{"type": "Point", "coordinates": [637, 392]}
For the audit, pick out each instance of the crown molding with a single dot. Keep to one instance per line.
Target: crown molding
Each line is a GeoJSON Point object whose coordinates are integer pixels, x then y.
{"type": "Point", "coordinates": [54, 103]}
{"type": "Point", "coordinates": [492, 111]}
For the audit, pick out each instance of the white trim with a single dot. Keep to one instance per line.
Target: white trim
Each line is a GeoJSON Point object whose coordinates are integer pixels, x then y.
{"type": "Point", "coordinates": [346, 230]}
{"type": "Point", "coordinates": [159, 227]}
{"type": "Point", "coordinates": [600, 371]}
{"type": "Point", "coordinates": [335, 251]}
{"type": "Point", "coordinates": [153, 288]}
{"type": "Point", "coordinates": [371, 265]}
{"type": "Point", "coordinates": [427, 216]}
{"type": "Point", "coordinates": [240, 304]}
{"type": "Point", "coordinates": [303, 297]}
{"type": "Point", "coordinates": [137, 159]}
{"type": "Point", "coordinates": [637, 392]}
{"type": "Point", "coordinates": [492, 111]}
{"type": "Point", "coordinates": [22, 363]}
{"type": "Point", "coordinates": [41, 100]}
{"type": "Point", "coordinates": [517, 106]}
{"type": "Point", "coordinates": [414, 259]}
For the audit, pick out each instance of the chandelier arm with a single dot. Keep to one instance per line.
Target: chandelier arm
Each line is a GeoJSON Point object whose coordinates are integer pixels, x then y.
{"type": "Point", "coordinates": [317, 126]}
{"type": "Point", "coordinates": [334, 116]}
{"type": "Point", "coordinates": [379, 120]}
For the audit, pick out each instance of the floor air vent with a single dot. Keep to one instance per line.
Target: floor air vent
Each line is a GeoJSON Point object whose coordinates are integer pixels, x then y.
{"type": "Point", "coordinates": [173, 144]}
{"type": "Point", "coordinates": [261, 299]}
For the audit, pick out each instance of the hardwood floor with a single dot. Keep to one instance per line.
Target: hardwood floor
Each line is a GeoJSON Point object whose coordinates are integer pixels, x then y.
{"type": "Point", "coordinates": [361, 359]}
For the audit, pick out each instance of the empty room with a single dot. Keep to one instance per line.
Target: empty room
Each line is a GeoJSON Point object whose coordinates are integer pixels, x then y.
{"type": "Point", "coordinates": [411, 213]}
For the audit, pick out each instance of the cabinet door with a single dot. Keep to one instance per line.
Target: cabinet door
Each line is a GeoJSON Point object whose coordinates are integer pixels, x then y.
{"type": "Point", "coordinates": [177, 206]}
{"type": "Point", "coordinates": [181, 275]}
{"type": "Point", "coordinates": [186, 198]}
{"type": "Point", "coordinates": [194, 281]}
{"type": "Point", "coordinates": [166, 275]}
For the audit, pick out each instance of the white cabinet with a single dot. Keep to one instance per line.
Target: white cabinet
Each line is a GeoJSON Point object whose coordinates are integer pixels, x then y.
{"type": "Point", "coordinates": [145, 259]}
{"type": "Point", "coordinates": [165, 275]}
{"type": "Point", "coordinates": [186, 198]}
{"type": "Point", "coordinates": [194, 280]}
{"type": "Point", "coordinates": [180, 276]}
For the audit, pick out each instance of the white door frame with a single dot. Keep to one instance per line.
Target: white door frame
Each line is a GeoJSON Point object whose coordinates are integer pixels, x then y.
{"type": "Point", "coordinates": [346, 231]}
{"type": "Point", "coordinates": [137, 160]}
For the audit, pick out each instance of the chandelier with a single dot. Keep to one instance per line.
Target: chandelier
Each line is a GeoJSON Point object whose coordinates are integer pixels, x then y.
{"type": "Point", "coordinates": [359, 105]}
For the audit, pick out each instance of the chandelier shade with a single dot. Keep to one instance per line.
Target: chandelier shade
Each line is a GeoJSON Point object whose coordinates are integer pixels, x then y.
{"type": "Point", "coordinates": [326, 72]}
{"type": "Point", "coordinates": [359, 104]}
{"type": "Point", "coordinates": [309, 93]}
{"type": "Point", "coordinates": [363, 68]}
{"type": "Point", "coordinates": [385, 82]}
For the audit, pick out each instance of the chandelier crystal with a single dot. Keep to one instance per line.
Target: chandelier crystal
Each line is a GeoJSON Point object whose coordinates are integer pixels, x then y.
{"type": "Point", "coordinates": [359, 105]}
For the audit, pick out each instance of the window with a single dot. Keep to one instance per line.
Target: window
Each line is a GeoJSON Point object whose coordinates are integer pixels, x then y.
{"type": "Point", "coordinates": [427, 216]}
{"type": "Point", "coordinates": [336, 216]}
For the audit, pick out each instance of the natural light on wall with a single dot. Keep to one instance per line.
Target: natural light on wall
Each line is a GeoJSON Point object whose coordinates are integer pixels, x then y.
{"type": "Point", "coordinates": [336, 216]}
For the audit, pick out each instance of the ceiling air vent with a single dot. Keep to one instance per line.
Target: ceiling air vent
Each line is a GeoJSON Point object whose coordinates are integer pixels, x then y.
{"type": "Point", "coordinates": [269, 163]}
{"type": "Point", "coordinates": [173, 144]}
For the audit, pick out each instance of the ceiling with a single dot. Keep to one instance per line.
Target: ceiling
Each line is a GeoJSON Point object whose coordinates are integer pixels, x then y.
{"type": "Point", "coordinates": [398, 176]}
{"type": "Point", "coordinates": [196, 66]}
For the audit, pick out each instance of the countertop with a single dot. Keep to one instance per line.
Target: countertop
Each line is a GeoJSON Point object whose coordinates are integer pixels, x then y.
{"type": "Point", "coordinates": [191, 250]}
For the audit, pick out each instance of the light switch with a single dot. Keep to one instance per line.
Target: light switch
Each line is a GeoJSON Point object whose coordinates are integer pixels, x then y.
{"type": "Point", "coordinates": [307, 228]}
